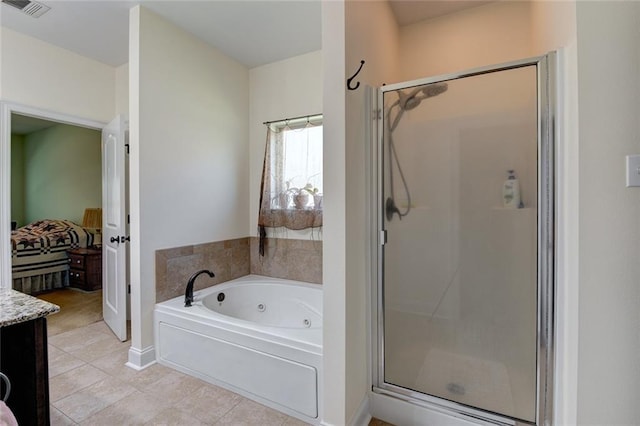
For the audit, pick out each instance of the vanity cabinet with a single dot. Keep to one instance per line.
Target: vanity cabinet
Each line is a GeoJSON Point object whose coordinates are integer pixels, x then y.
{"type": "Point", "coordinates": [23, 356]}
{"type": "Point", "coordinates": [24, 360]}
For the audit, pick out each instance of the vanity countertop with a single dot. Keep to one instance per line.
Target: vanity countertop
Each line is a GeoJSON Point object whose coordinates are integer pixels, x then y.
{"type": "Point", "coordinates": [17, 307]}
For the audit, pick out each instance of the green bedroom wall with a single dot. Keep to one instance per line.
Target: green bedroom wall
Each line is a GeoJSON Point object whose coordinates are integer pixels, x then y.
{"type": "Point", "coordinates": [17, 179]}
{"type": "Point", "coordinates": [63, 174]}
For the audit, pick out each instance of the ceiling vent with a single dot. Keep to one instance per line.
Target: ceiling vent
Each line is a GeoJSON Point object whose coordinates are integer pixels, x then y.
{"type": "Point", "coordinates": [31, 8]}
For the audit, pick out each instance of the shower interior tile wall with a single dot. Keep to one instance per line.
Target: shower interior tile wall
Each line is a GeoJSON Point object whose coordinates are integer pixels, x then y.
{"type": "Point", "coordinates": [230, 259]}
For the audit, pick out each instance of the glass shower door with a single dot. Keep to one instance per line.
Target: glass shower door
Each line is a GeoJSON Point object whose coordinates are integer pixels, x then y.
{"type": "Point", "coordinates": [459, 195]}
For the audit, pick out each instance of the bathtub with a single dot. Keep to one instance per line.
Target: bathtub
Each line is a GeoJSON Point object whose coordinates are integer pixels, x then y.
{"type": "Point", "coordinates": [257, 336]}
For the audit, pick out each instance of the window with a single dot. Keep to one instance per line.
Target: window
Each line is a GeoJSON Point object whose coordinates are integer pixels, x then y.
{"type": "Point", "coordinates": [291, 190]}
{"type": "Point", "coordinates": [298, 168]}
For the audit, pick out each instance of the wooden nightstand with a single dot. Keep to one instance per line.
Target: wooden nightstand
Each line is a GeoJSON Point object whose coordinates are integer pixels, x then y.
{"type": "Point", "coordinates": [86, 268]}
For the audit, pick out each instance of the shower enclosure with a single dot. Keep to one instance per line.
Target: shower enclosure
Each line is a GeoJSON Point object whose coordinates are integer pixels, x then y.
{"type": "Point", "coordinates": [463, 260]}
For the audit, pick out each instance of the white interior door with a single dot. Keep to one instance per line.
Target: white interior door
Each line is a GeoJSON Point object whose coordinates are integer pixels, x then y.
{"type": "Point", "coordinates": [114, 227]}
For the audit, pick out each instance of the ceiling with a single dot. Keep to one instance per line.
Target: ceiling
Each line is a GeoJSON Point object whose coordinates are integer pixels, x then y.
{"type": "Point", "coordinates": [254, 32]}
{"type": "Point", "coordinates": [409, 12]}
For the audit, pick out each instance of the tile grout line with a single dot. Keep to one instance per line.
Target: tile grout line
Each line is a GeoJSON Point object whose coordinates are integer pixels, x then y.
{"type": "Point", "coordinates": [230, 409]}
{"type": "Point", "coordinates": [140, 384]}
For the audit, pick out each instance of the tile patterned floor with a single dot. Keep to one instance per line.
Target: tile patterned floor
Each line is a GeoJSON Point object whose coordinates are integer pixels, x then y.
{"type": "Point", "coordinates": [89, 384]}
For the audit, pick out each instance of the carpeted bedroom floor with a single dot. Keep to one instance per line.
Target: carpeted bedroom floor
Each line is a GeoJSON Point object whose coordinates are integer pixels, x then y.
{"type": "Point", "coordinates": [77, 309]}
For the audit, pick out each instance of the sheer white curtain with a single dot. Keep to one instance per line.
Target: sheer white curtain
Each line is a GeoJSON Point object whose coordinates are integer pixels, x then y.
{"type": "Point", "coordinates": [291, 188]}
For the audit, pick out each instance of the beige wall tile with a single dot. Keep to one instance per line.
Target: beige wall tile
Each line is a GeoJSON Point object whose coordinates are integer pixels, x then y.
{"type": "Point", "coordinates": [299, 260]}
{"type": "Point", "coordinates": [227, 259]}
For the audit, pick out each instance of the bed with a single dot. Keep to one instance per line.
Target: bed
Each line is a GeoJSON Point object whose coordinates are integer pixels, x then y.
{"type": "Point", "coordinates": [39, 254]}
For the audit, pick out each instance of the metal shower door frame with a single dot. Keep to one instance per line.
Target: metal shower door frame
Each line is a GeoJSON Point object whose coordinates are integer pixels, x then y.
{"type": "Point", "coordinates": [546, 229]}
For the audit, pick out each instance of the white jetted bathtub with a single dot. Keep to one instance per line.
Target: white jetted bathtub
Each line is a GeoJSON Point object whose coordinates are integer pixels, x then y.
{"type": "Point", "coordinates": [258, 336]}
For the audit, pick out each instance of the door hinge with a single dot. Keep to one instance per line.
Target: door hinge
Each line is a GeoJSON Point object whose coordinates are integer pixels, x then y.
{"type": "Point", "coordinates": [126, 146]}
{"type": "Point", "coordinates": [128, 219]}
{"type": "Point", "coordinates": [128, 288]}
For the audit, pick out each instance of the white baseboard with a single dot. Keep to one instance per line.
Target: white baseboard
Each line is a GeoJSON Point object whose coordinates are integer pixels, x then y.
{"type": "Point", "coordinates": [141, 359]}
{"type": "Point", "coordinates": [362, 416]}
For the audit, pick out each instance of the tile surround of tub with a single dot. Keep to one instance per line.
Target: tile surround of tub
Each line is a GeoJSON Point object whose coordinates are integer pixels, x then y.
{"type": "Point", "coordinates": [299, 260]}
{"type": "Point", "coordinates": [228, 259]}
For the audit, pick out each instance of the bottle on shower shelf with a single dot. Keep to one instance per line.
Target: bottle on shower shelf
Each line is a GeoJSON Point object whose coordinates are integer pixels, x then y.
{"type": "Point", "coordinates": [511, 192]}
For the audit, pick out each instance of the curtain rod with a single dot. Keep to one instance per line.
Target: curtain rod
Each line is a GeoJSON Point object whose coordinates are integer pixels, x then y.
{"type": "Point", "coordinates": [308, 117]}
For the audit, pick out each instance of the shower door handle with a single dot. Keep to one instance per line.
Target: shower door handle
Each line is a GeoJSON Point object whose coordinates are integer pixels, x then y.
{"type": "Point", "coordinates": [383, 237]}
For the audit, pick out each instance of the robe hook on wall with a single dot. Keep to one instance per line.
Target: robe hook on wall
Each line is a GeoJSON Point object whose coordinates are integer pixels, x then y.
{"type": "Point", "coordinates": [354, 76]}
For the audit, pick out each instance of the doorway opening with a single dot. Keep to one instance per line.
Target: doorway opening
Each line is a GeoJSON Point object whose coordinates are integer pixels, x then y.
{"type": "Point", "coordinates": [52, 186]}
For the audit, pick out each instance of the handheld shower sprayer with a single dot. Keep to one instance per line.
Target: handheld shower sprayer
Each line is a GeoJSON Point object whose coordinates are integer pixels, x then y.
{"type": "Point", "coordinates": [417, 95]}
{"type": "Point", "coordinates": [405, 102]}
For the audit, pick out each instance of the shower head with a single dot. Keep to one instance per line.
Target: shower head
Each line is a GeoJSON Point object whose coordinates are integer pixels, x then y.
{"type": "Point", "coordinates": [410, 101]}
{"type": "Point", "coordinates": [434, 89]}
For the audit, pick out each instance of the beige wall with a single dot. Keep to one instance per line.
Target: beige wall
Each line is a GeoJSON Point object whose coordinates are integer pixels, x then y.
{"type": "Point", "coordinates": [553, 25]}
{"type": "Point", "coordinates": [348, 37]}
{"type": "Point", "coordinates": [608, 41]}
{"type": "Point", "coordinates": [283, 89]}
{"type": "Point", "coordinates": [122, 89]}
{"type": "Point", "coordinates": [41, 75]}
{"type": "Point", "coordinates": [334, 261]}
{"type": "Point", "coordinates": [495, 33]}
{"type": "Point", "coordinates": [189, 151]}
{"type": "Point", "coordinates": [378, 46]}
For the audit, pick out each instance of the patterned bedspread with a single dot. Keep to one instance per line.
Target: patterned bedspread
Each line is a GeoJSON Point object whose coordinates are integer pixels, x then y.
{"type": "Point", "coordinates": [40, 247]}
